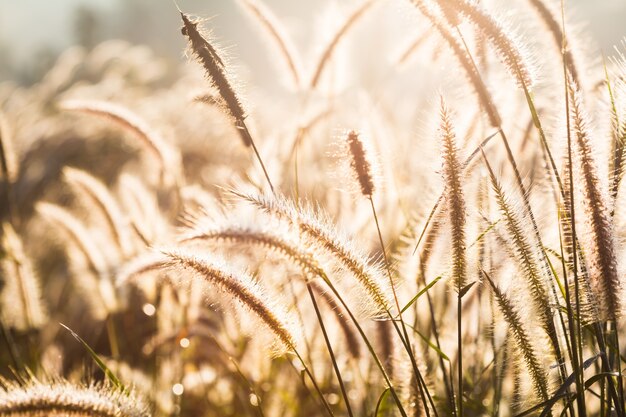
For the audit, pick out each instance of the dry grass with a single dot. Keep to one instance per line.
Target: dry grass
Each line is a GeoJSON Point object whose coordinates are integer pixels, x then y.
{"type": "Point", "coordinates": [229, 261]}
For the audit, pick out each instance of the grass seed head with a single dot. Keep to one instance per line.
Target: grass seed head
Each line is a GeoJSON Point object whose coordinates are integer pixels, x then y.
{"type": "Point", "coordinates": [360, 164]}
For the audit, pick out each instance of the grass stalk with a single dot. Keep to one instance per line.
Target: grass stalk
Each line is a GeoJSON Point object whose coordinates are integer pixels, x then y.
{"type": "Point", "coordinates": [459, 341]}
{"type": "Point", "coordinates": [576, 342]}
{"type": "Point", "coordinates": [402, 333]}
{"type": "Point", "coordinates": [330, 349]}
{"type": "Point", "coordinates": [308, 262]}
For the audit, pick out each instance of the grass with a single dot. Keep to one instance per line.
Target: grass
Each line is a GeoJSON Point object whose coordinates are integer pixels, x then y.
{"type": "Point", "coordinates": [437, 232]}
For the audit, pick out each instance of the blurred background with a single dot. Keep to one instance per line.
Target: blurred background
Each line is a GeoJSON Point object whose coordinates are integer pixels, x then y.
{"type": "Point", "coordinates": [34, 32]}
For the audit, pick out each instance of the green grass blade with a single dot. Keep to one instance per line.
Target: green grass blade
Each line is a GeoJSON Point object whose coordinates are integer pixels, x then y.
{"type": "Point", "coordinates": [419, 294]}
{"type": "Point", "coordinates": [109, 374]}
{"type": "Point", "coordinates": [381, 405]}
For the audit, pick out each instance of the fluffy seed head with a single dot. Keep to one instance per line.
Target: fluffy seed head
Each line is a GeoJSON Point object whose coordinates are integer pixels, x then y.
{"type": "Point", "coordinates": [276, 33]}
{"type": "Point", "coordinates": [321, 233]}
{"type": "Point", "coordinates": [483, 94]}
{"type": "Point", "coordinates": [167, 156]}
{"type": "Point", "coordinates": [522, 340]}
{"type": "Point", "coordinates": [604, 276]}
{"type": "Point", "coordinates": [359, 163]}
{"type": "Point", "coordinates": [239, 285]}
{"type": "Point", "coordinates": [456, 202]}
{"type": "Point", "coordinates": [20, 294]}
{"type": "Point", "coordinates": [332, 45]}
{"type": "Point", "coordinates": [507, 47]}
{"type": "Point", "coordinates": [216, 73]}
{"type": "Point", "coordinates": [62, 398]}
{"type": "Point", "coordinates": [101, 197]}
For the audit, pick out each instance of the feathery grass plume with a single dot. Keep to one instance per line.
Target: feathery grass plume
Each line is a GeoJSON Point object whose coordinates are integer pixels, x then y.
{"type": "Point", "coordinates": [9, 163]}
{"type": "Point", "coordinates": [360, 164]}
{"type": "Point", "coordinates": [550, 19]}
{"type": "Point", "coordinates": [59, 397]}
{"type": "Point", "coordinates": [603, 260]}
{"type": "Point", "coordinates": [352, 339]}
{"type": "Point", "coordinates": [618, 151]}
{"type": "Point", "coordinates": [99, 195]}
{"type": "Point", "coordinates": [240, 286]}
{"type": "Point", "coordinates": [216, 73]}
{"type": "Point", "coordinates": [482, 93]}
{"type": "Point", "coordinates": [77, 232]}
{"type": "Point", "coordinates": [9, 166]}
{"type": "Point", "coordinates": [566, 216]}
{"type": "Point", "coordinates": [522, 340]}
{"type": "Point", "coordinates": [411, 49]}
{"type": "Point", "coordinates": [400, 251]}
{"type": "Point", "coordinates": [291, 250]}
{"type": "Point", "coordinates": [427, 251]}
{"type": "Point", "coordinates": [272, 27]}
{"type": "Point", "coordinates": [323, 234]}
{"type": "Point", "coordinates": [454, 192]}
{"type": "Point", "coordinates": [617, 94]}
{"type": "Point", "coordinates": [327, 54]}
{"type": "Point", "coordinates": [500, 37]}
{"type": "Point", "coordinates": [142, 208]}
{"type": "Point", "coordinates": [452, 174]}
{"type": "Point", "coordinates": [517, 398]}
{"type": "Point", "coordinates": [482, 51]}
{"type": "Point", "coordinates": [20, 296]}
{"type": "Point", "coordinates": [209, 99]}
{"type": "Point", "coordinates": [79, 235]}
{"type": "Point", "coordinates": [588, 303]}
{"type": "Point", "coordinates": [142, 264]}
{"type": "Point", "coordinates": [524, 254]}
{"type": "Point", "coordinates": [167, 156]}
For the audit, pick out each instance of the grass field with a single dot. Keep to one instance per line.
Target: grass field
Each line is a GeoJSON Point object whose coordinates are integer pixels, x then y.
{"type": "Point", "coordinates": [404, 222]}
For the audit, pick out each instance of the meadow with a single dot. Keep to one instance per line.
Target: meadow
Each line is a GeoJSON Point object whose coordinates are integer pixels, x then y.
{"type": "Point", "coordinates": [422, 222]}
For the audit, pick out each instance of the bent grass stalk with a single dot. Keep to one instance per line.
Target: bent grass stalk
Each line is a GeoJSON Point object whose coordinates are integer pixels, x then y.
{"type": "Point", "coordinates": [321, 233]}
{"type": "Point", "coordinates": [552, 23]}
{"type": "Point", "coordinates": [242, 288]}
{"type": "Point", "coordinates": [277, 34]}
{"type": "Point", "coordinates": [98, 193]}
{"type": "Point", "coordinates": [303, 259]}
{"type": "Point", "coordinates": [339, 35]}
{"type": "Point", "coordinates": [166, 156]}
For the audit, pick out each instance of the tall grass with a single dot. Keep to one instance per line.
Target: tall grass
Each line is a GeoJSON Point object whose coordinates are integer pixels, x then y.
{"type": "Point", "coordinates": [391, 256]}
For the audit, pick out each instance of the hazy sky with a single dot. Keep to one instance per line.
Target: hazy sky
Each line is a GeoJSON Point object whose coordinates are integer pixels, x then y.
{"type": "Point", "coordinates": [31, 25]}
